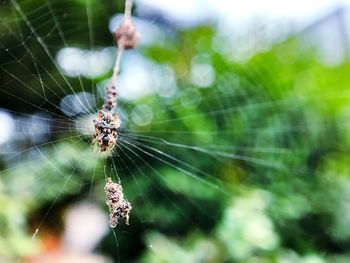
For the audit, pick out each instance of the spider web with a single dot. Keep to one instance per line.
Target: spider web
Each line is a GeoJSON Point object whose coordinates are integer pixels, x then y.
{"type": "Point", "coordinates": [207, 128]}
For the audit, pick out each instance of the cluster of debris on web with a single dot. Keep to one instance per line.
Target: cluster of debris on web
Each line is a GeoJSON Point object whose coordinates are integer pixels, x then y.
{"type": "Point", "coordinates": [119, 208]}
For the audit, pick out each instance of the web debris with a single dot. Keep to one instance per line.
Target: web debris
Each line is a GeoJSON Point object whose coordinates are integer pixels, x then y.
{"type": "Point", "coordinates": [118, 206]}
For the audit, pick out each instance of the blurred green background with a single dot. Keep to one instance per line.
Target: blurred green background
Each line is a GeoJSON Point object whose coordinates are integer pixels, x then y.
{"type": "Point", "coordinates": [223, 159]}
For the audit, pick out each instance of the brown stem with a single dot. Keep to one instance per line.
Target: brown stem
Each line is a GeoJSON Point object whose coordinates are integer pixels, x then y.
{"type": "Point", "coordinates": [116, 68]}
{"type": "Point", "coordinates": [128, 7]}
{"type": "Point", "coordinates": [111, 97]}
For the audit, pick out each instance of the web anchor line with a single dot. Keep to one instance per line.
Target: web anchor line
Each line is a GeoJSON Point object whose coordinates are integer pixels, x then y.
{"type": "Point", "coordinates": [107, 122]}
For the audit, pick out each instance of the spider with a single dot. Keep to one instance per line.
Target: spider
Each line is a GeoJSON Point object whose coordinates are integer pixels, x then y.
{"type": "Point", "coordinates": [105, 136]}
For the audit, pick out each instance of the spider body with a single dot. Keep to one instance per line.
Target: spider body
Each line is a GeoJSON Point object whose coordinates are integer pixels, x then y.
{"type": "Point", "coordinates": [105, 136]}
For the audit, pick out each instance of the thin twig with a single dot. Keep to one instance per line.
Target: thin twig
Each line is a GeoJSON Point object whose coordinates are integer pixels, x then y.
{"type": "Point", "coordinates": [128, 7]}
{"type": "Point", "coordinates": [117, 66]}
{"type": "Point", "coordinates": [127, 15]}
{"type": "Point", "coordinates": [126, 37]}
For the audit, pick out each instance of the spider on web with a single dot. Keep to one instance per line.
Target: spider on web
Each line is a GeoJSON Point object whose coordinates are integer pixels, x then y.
{"type": "Point", "coordinates": [105, 136]}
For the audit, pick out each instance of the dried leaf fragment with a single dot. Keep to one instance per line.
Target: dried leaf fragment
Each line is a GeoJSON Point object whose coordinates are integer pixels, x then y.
{"type": "Point", "coordinates": [119, 208]}
{"type": "Point", "coordinates": [126, 35]}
